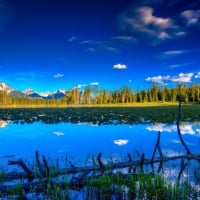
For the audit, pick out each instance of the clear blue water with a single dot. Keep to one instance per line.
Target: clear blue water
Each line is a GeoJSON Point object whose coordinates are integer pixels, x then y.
{"type": "Point", "coordinates": [81, 141]}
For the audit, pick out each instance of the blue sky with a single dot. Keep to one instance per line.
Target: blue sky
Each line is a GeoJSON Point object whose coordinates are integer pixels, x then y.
{"type": "Point", "coordinates": [57, 44]}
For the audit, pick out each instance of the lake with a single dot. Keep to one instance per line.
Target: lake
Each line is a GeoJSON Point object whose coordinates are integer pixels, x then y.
{"type": "Point", "coordinates": [79, 135]}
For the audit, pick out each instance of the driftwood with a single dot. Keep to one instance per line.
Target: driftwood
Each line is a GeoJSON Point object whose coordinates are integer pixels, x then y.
{"type": "Point", "coordinates": [29, 173]}
{"type": "Point", "coordinates": [97, 168]}
{"type": "Point", "coordinates": [41, 184]}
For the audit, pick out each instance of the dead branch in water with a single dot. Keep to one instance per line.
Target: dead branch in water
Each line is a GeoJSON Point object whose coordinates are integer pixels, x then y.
{"type": "Point", "coordinates": [157, 146]}
{"type": "Point", "coordinates": [110, 166]}
{"type": "Point", "coordinates": [178, 125]}
{"type": "Point", "coordinates": [28, 173]}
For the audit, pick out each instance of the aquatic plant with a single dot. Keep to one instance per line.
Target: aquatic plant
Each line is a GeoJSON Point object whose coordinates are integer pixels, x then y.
{"type": "Point", "coordinates": [101, 115]}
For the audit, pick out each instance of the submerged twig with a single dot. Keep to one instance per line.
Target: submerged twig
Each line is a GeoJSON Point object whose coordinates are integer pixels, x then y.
{"type": "Point", "coordinates": [101, 165]}
{"type": "Point", "coordinates": [157, 146]}
{"type": "Point", "coordinates": [183, 165]}
{"type": "Point", "coordinates": [142, 162]}
{"type": "Point", "coordinates": [42, 173]}
{"type": "Point", "coordinates": [129, 159]}
{"type": "Point", "coordinates": [46, 166]}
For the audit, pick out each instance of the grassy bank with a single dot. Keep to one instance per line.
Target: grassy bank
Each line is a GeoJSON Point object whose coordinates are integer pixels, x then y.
{"type": "Point", "coordinates": [136, 104]}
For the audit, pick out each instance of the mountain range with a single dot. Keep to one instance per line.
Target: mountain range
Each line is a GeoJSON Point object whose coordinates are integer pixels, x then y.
{"type": "Point", "coordinates": [32, 94]}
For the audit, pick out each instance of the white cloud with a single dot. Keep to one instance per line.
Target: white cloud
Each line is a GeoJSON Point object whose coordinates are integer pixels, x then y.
{"type": "Point", "coordinates": [141, 22]}
{"type": "Point", "coordinates": [179, 65]}
{"type": "Point", "coordinates": [198, 130]}
{"type": "Point", "coordinates": [96, 46]}
{"type": "Point", "coordinates": [197, 75]}
{"type": "Point", "coordinates": [85, 85]}
{"type": "Point", "coordinates": [181, 78]}
{"type": "Point", "coordinates": [125, 39]}
{"type": "Point", "coordinates": [158, 79]}
{"type": "Point", "coordinates": [80, 86]}
{"type": "Point", "coordinates": [191, 17]}
{"type": "Point", "coordinates": [91, 50]}
{"type": "Point", "coordinates": [119, 66]}
{"type": "Point", "coordinates": [94, 83]}
{"type": "Point", "coordinates": [58, 75]}
{"type": "Point", "coordinates": [173, 53]}
{"type": "Point", "coordinates": [174, 66]}
{"type": "Point", "coordinates": [169, 54]}
{"type": "Point", "coordinates": [72, 39]}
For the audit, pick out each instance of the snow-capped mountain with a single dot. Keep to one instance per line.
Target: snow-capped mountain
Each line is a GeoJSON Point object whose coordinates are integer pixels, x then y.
{"type": "Point", "coordinates": [31, 93]}
{"type": "Point", "coordinates": [6, 88]}
{"type": "Point", "coordinates": [45, 95]}
{"type": "Point", "coordinates": [57, 94]}
{"type": "Point", "coordinates": [10, 91]}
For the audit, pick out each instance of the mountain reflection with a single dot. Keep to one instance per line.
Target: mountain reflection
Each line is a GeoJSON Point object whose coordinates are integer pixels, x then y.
{"type": "Point", "coordinates": [3, 123]}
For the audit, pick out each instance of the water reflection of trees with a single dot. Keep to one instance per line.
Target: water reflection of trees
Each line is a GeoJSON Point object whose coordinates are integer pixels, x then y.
{"type": "Point", "coordinates": [98, 116]}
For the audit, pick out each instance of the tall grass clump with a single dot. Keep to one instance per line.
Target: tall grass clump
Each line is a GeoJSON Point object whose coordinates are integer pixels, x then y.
{"type": "Point", "coordinates": [138, 187]}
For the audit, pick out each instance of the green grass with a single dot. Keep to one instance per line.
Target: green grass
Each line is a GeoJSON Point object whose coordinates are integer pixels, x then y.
{"type": "Point", "coordinates": [144, 186]}
{"type": "Point", "coordinates": [135, 104]}
{"type": "Point", "coordinates": [139, 187]}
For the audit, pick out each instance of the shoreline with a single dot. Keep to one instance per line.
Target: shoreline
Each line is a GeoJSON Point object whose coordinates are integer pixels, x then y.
{"type": "Point", "coordinates": [146, 104]}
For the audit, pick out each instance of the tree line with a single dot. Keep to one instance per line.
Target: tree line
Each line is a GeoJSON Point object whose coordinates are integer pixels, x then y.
{"type": "Point", "coordinates": [93, 95]}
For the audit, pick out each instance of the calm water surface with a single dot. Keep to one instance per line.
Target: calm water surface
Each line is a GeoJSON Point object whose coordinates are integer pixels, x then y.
{"type": "Point", "coordinates": [83, 141]}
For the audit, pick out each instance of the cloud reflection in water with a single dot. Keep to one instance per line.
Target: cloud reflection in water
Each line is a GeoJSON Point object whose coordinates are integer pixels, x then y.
{"type": "Point", "coordinates": [120, 142]}
{"type": "Point", "coordinates": [57, 133]}
{"type": "Point", "coordinates": [3, 123]}
{"type": "Point", "coordinates": [185, 128]}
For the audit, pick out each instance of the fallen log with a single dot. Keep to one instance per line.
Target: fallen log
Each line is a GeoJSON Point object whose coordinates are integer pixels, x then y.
{"type": "Point", "coordinates": [97, 168]}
